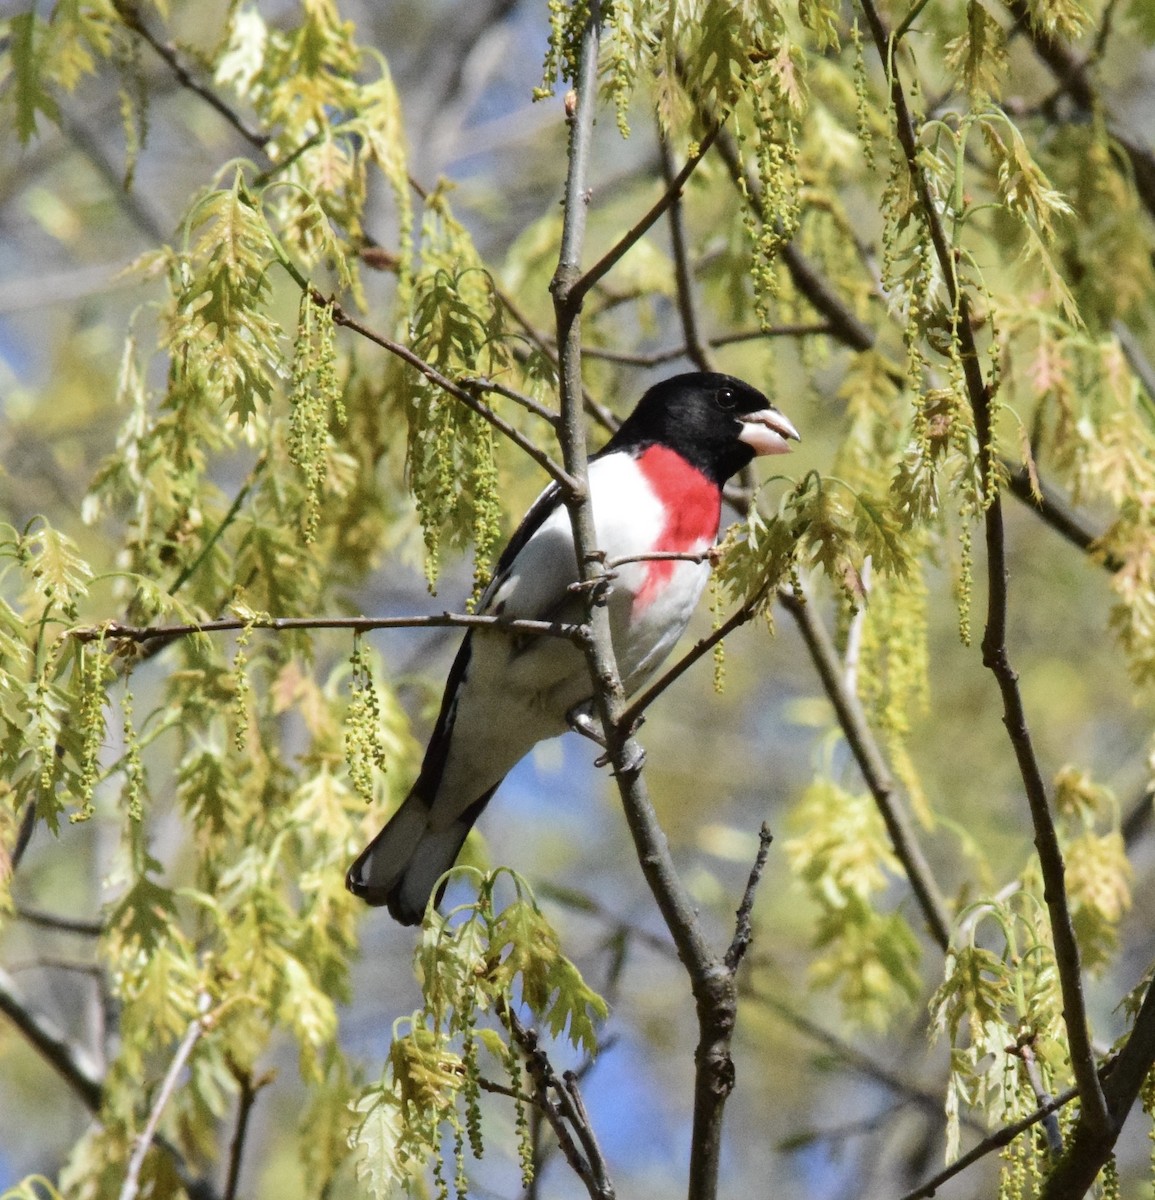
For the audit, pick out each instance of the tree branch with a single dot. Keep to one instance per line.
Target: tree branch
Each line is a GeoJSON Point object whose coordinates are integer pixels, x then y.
{"type": "Point", "coordinates": [1089, 1145]}
{"type": "Point", "coordinates": [743, 930]}
{"type": "Point", "coordinates": [872, 764]}
{"type": "Point", "coordinates": [994, 647]}
{"type": "Point", "coordinates": [1071, 74]}
{"type": "Point", "coordinates": [658, 357]}
{"type": "Point", "coordinates": [695, 348]}
{"type": "Point", "coordinates": [564, 1114]}
{"type": "Point", "coordinates": [1053, 509]}
{"type": "Point", "coordinates": [996, 1141]}
{"type": "Point", "coordinates": [115, 631]}
{"type": "Point", "coordinates": [580, 288]}
{"type": "Point", "coordinates": [70, 1062]}
{"type": "Point", "coordinates": [463, 394]}
{"type": "Point", "coordinates": [130, 14]}
{"type": "Point", "coordinates": [638, 705]}
{"type": "Point", "coordinates": [526, 402]}
{"type": "Point", "coordinates": [48, 920]}
{"type": "Point", "coordinates": [250, 1089]}
{"type": "Point", "coordinates": [131, 1184]}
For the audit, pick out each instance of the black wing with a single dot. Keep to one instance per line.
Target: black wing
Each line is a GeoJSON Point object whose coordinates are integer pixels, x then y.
{"type": "Point", "coordinates": [435, 753]}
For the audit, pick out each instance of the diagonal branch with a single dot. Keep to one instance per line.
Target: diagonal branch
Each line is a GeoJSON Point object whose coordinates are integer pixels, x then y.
{"type": "Point", "coordinates": [462, 394]}
{"type": "Point", "coordinates": [50, 1042]}
{"type": "Point", "coordinates": [1072, 76]}
{"type": "Point", "coordinates": [1054, 511]}
{"type": "Point", "coordinates": [566, 1113]}
{"type": "Point", "coordinates": [872, 764]}
{"type": "Point", "coordinates": [130, 14]}
{"type": "Point", "coordinates": [743, 929]}
{"type": "Point", "coordinates": [638, 705]}
{"type": "Point", "coordinates": [131, 1185]}
{"type": "Point", "coordinates": [580, 288]}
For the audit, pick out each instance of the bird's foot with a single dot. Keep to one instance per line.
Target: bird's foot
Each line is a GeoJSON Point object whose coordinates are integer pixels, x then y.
{"type": "Point", "coordinates": [581, 720]}
{"type": "Point", "coordinates": [596, 589]}
{"type": "Point", "coordinates": [633, 759]}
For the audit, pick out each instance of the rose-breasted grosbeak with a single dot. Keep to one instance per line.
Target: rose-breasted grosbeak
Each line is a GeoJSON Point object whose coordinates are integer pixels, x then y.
{"type": "Point", "coordinates": [656, 487]}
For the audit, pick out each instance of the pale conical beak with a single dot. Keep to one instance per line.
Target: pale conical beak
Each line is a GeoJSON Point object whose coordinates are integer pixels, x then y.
{"type": "Point", "coordinates": [768, 431]}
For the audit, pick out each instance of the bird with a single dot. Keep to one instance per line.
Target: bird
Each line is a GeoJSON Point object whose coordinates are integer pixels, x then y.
{"type": "Point", "coordinates": [655, 488]}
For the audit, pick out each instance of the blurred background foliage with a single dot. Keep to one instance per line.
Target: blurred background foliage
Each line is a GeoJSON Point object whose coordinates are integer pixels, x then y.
{"type": "Point", "coordinates": [181, 439]}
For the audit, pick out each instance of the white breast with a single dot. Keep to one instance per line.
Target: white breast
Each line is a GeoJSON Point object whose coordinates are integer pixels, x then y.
{"type": "Point", "coordinates": [514, 694]}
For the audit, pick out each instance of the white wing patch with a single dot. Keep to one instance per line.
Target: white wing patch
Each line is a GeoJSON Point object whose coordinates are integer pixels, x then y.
{"type": "Point", "coordinates": [515, 694]}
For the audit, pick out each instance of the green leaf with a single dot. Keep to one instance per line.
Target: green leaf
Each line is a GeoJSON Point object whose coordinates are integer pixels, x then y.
{"type": "Point", "coordinates": [27, 60]}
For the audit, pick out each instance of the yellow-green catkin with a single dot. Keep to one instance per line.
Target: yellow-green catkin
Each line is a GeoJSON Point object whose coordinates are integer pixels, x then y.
{"type": "Point", "coordinates": [717, 600]}
{"type": "Point", "coordinates": [241, 691]}
{"type": "Point", "coordinates": [314, 394]}
{"type": "Point", "coordinates": [472, 1085]}
{"type": "Point", "coordinates": [45, 722]}
{"type": "Point", "coordinates": [460, 1179]}
{"type": "Point", "coordinates": [1013, 1175]}
{"type": "Point", "coordinates": [441, 1184]}
{"type": "Point", "coordinates": [521, 1118]}
{"type": "Point", "coordinates": [133, 767]}
{"type": "Point", "coordinates": [364, 749]}
{"type": "Point", "coordinates": [860, 93]}
{"type": "Point", "coordinates": [965, 579]}
{"type": "Point", "coordinates": [94, 666]}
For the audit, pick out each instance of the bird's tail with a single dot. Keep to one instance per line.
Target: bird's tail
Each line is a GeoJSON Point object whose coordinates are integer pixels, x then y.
{"type": "Point", "coordinates": [401, 866]}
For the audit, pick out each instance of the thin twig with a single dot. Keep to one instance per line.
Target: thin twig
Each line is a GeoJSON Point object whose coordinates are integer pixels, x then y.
{"type": "Point", "coordinates": [250, 1089]}
{"type": "Point", "coordinates": [996, 1141]}
{"type": "Point", "coordinates": [130, 14]}
{"type": "Point", "coordinates": [69, 1061]}
{"type": "Point", "coordinates": [872, 764]}
{"type": "Point", "coordinates": [502, 389]}
{"type": "Point", "coordinates": [695, 348]}
{"type": "Point", "coordinates": [1054, 511]}
{"type": "Point", "coordinates": [657, 357]}
{"type": "Point", "coordinates": [586, 1132]}
{"type": "Point", "coordinates": [618, 251]}
{"type": "Point", "coordinates": [638, 705]}
{"type": "Point", "coordinates": [565, 1117]}
{"type": "Point", "coordinates": [661, 556]}
{"type": "Point", "coordinates": [49, 920]}
{"type": "Point", "coordinates": [466, 397]}
{"type": "Point", "coordinates": [743, 928]}
{"type": "Point", "coordinates": [234, 508]}
{"type": "Point", "coordinates": [1024, 1051]}
{"type": "Point", "coordinates": [115, 631]}
{"type": "Point", "coordinates": [131, 1184]}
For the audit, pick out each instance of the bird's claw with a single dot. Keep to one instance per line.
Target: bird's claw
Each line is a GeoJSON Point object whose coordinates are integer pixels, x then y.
{"type": "Point", "coordinates": [596, 588]}
{"type": "Point", "coordinates": [580, 720]}
{"type": "Point", "coordinates": [633, 758]}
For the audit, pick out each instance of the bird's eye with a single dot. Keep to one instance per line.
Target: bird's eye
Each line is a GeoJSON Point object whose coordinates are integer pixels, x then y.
{"type": "Point", "coordinates": [726, 399]}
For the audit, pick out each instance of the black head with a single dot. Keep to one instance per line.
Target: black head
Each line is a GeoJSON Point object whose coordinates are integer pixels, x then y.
{"type": "Point", "coordinates": [716, 422]}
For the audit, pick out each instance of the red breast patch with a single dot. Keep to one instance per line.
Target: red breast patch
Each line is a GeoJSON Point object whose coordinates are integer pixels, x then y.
{"type": "Point", "coordinates": [693, 508]}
